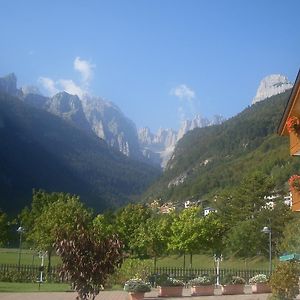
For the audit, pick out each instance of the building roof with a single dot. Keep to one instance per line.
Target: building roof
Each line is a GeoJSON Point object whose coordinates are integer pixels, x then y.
{"type": "Point", "coordinates": [290, 107]}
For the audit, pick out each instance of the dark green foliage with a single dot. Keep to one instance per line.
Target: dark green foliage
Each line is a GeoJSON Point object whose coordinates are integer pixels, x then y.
{"type": "Point", "coordinates": [290, 242]}
{"type": "Point", "coordinates": [4, 229]}
{"type": "Point", "coordinates": [244, 212]}
{"type": "Point", "coordinates": [40, 150]}
{"type": "Point", "coordinates": [217, 157]}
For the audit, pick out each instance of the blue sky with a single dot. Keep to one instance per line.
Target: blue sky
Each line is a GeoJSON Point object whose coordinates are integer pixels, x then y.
{"type": "Point", "coordinates": [158, 60]}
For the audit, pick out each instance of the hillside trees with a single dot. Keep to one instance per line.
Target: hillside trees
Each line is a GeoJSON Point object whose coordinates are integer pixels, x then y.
{"type": "Point", "coordinates": [290, 241]}
{"type": "Point", "coordinates": [245, 211]}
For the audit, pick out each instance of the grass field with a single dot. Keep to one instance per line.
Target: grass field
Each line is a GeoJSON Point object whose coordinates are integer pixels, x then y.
{"type": "Point", "coordinates": [29, 257]}
{"type": "Point", "coordinates": [205, 261]}
{"type": "Point", "coordinates": [33, 287]}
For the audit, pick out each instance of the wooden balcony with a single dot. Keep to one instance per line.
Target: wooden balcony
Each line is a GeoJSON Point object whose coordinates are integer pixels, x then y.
{"type": "Point", "coordinates": [294, 144]}
{"type": "Point", "coordinates": [295, 201]}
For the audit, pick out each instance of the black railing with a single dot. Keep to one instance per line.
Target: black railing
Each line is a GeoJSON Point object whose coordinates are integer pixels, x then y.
{"type": "Point", "coordinates": [31, 273]}
{"type": "Point", "coordinates": [190, 273]}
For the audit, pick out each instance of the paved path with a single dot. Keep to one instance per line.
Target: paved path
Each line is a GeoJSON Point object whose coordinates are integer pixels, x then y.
{"type": "Point", "coordinates": [121, 295]}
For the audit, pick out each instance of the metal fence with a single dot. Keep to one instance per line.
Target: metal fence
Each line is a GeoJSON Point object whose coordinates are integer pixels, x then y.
{"type": "Point", "coordinates": [31, 273]}
{"type": "Point", "coordinates": [190, 273]}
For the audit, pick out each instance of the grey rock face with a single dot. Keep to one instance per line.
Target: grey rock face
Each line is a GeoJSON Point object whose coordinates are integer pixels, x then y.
{"type": "Point", "coordinates": [108, 122]}
{"type": "Point", "coordinates": [163, 143]}
{"type": "Point", "coordinates": [68, 107]}
{"type": "Point", "coordinates": [271, 85]}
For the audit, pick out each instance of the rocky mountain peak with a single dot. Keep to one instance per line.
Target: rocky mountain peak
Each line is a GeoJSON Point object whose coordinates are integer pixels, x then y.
{"type": "Point", "coordinates": [68, 107]}
{"type": "Point", "coordinates": [163, 142]}
{"type": "Point", "coordinates": [271, 85]}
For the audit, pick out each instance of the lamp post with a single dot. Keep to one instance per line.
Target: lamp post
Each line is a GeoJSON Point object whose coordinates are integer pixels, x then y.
{"type": "Point", "coordinates": [268, 230]}
{"type": "Point", "coordinates": [20, 230]}
{"type": "Point", "coordinates": [218, 259]}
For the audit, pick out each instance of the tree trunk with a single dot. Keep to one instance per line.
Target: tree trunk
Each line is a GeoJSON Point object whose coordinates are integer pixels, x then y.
{"type": "Point", "coordinates": [49, 260]}
{"type": "Point", "coordinates": [184, 260]}
{"type": "Point", "coordinates": [191, 260]}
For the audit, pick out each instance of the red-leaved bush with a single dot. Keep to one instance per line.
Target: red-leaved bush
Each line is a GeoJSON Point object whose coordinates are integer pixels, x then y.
{"type": "Point", "coordinates": [88, 261]}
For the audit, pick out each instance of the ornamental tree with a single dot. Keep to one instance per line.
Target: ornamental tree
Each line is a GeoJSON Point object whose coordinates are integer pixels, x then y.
{"type": "Point", "coordinates": [87, 259]}
{"type": "Point", "coordinates": [63, 213]}
{"type": "Point", "coordinates": [185, 237]}
{"type": "Point", "coordinates": [128, 221]}
{"type": "Point", "coordinates": [152, 236]}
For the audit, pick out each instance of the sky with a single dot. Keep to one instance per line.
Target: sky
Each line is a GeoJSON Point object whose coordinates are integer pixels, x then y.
{"type": "Point", "coordinates": [160, 61]}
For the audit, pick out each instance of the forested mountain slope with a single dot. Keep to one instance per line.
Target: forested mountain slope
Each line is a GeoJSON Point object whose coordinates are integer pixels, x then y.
{"type": "Point", "coordinates": [211, 159]}
{"type": "Point", "coordinates": [39, 150]}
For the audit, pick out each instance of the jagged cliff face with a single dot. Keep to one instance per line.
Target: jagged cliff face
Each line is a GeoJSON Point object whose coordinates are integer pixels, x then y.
{"type": "Point", "coordinates": [68, 107]}
{"type": "Point", "coordinates": [108, 122]}
{"type": "Point", "coordinates": [158, 147]}
{"type": "Point", "coordinates": [271, 85]}
{"type": "Point", "coordinates": [163, 143]}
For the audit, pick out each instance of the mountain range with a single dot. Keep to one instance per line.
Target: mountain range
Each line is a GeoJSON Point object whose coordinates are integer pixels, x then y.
{"type": "Point", "coordinates": [206, 161]}
{"type": "Point", "coordinates": [87, 146]}
{"type": "Point", "coordinates": [58, 151]}
{"type": "Point", "coordinates": [106, 120]}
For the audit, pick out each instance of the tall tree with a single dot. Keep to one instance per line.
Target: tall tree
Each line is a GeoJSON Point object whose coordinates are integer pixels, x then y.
{"type": "Point", "coordinates": [63, 213]}
{"type": "Point", "coordinates": [185, 236]}
{"type": "Point", "coordinates": [152, 236]}
{"type": "Point", "coordinates": [4, 229]}
{"type": "Point", "coordinates": [291, 236]}
{"type": "Point", "coordinates": [128, 220]}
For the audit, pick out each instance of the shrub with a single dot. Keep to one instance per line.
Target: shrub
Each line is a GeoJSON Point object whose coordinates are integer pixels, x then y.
{"type": "Point", "coordinates": [202, 280]}
{"type": "Point", "coordinates": [132, 268]}
{"type": "Point", "coordinates": [165, 280]}
{"type": "Point", "coordinates": [231, 279]}
{"type": "Point", "coordinates": [260, 278]}
{"type": "Point", "coordinates": [18, 276]}
{"type": "Point", "coordinates": [137, 286]}
{"type": "Point", "coordinates": [284, 281]}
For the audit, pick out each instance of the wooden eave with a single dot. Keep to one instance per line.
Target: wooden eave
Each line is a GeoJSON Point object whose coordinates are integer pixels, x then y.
{"type": "Point", "coordinates": [292, 107]}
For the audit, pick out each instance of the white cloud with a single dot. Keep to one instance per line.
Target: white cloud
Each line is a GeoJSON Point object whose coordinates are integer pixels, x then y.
{"type": "Point", "coordinates": [49, 85]}
{"type": "Point", "coordinates": [85, 68]}
{"type": "Point", "coordinates": [182, 91]}
{"type": "Point", "coordinates": [70, 87]}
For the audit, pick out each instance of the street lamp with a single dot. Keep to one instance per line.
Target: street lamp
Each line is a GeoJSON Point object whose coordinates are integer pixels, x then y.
{"type": "Point", "coordinates": [20, 230]}
{"type": "Point", "coordinates": [218, 259]}
{"type": "Point", "coordinates": [268, 230]}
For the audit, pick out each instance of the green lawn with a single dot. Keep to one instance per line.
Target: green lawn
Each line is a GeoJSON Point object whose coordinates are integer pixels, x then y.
{"type": "Point", "coordinates": [33, 287]}
{"type": "Point", "coordinates": [28, 257]}
{"type": "Point", "coordinates": [205, 261]}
